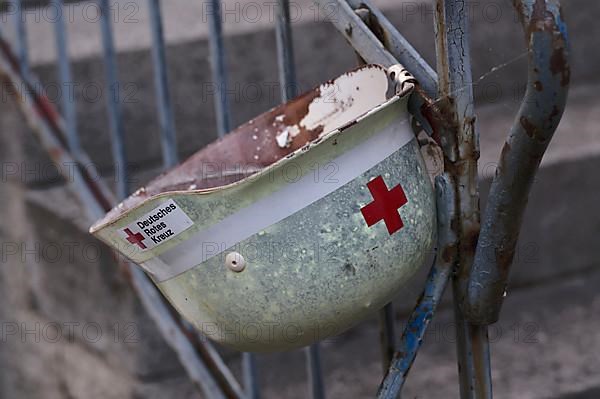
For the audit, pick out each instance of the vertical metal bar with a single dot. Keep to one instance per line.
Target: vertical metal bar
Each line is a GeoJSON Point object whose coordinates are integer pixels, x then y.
{"type": "Point", "coordinates": [461, 151]}
{"type": "Point", "coordinates": [219, 74]}
{"type": "Point", "coordinates": [113, 102]}
{"type": "Point", "coordinates": [250, 376]}
{"type": "Point", "coordinates": [387, 332]}
{"type": "Point", "coordinates": [436, 283]}
{"type": "Point", "coordinates": [66, 81]}
{"type": "Point", "coordinates": [473, 352]}
{"type": "Point", "coordinates": [217, 63]}
{"type": "Point", "coordinates": [211, 357]}
{"type": "Point", "coordinates": [538, 117]}
{"type": "Point", "coordinates": [22, 47]}
{"type": "Point", "coordinates": [285, 51]}
{"type": "Point", "coordinates": [315, 371]}
{"type": "Point", "coordinates": [289, 89]}
{"type": "Point", "coordinates": [163, 98]}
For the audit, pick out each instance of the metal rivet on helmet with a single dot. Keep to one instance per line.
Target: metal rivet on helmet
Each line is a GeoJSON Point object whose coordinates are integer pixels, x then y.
{"type": "Point", "coordinates": [235, 262]}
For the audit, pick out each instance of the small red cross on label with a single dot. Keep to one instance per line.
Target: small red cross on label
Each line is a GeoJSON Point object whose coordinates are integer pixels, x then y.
{"type": "Point", "coordinates": [385, 205]}
{"type": "Point", "coordinates": [136, 238]}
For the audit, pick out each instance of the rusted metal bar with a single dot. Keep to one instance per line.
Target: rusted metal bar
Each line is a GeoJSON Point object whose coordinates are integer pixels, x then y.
{"type": "Point", "coordinates": [161, 81]}
{"type": "Point", "coordinates": [359, 35]}
{"type": "Point", "coordinates": [217, 64]}
{"type": "Point", "coordinates": [538, 118]}
{"type": "Point", "coordinates": [421, 103]}
{"type": "Point", "coordinates": [473, 353]}
{"type": "Point", "coordinates": [436, 283]}
{"type": "Point", "coordinates": [441, 121]}
{"type": "Point", "coordinates": [113, 103]}
{"type": "Point", "coordinates": [368, 41]}
{"type": "Point", "coordinates": [96, 199]}
{"type": "Point", "coordinates": [460, 144]}
{"type": "Point", "coordinates": [398, 46]}
{"type": "Point", "coordinates": [49, 127]}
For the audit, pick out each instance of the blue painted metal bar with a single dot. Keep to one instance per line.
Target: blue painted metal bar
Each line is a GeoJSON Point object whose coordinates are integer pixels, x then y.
{"type": "Point", "coordinates": [22, 48]}
{"type": "Point", "coordinates": [289, 90]}
{"type": "Point", "coordinates": [285, 52]}
{"type": "Point", "coordinates": [163, 98]}
{"type": "Point", "coordinates": [217, 63]}
{"type": "Point", "coordinates": [436, 283]}
{"type": "Point", "coordinates": [66, 82]}
{"type": "Point", "coordinates": [460, 143]}
{"type": "Point", "coordinates": [249, 370]}
{"type": "Point", "coordinates": [315, 371]}
{"type": "Point", "coordinates": [113, 102]}
{"type": "Point", "coordinates": [538, 118]}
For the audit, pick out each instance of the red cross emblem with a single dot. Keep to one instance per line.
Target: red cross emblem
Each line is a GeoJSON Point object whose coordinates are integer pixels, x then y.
{"type": "Point", "coordinates": [385, 205]}
{"type": "Point", "coordinates": [136, 238]}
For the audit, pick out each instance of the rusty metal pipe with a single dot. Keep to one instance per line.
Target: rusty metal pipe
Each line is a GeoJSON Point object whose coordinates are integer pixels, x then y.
{"type": "Point", "coordinates": [377, 43]}
{"type": "Point", "coordinates": [397, 45]}
{"type": "Point", "coordinates": [538, 118]}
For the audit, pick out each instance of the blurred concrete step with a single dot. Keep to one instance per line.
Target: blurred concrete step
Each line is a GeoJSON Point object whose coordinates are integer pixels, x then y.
{"type": "Point", "coordinates": [498, 51]}
{"type": "Point", "coordinates": [591, 393]}
{"type": "Point", "coordinates": [545, 346]}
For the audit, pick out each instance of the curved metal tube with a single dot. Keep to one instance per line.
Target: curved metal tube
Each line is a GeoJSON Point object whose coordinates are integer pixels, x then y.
{"type": "Point", "coordinates": [437, 280]}
{"type": "Point", "coordinates": [538, 118]}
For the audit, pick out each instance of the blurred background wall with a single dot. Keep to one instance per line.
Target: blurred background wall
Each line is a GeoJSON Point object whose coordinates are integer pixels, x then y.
{"type": "Point", "coordinates": [72, 328]}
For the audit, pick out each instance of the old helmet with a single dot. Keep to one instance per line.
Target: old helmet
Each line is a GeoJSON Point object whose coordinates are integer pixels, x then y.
{"type": "Point", "coordinates": [294, 226]}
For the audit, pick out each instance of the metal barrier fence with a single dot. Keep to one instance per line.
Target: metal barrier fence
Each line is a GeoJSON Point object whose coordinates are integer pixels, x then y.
{"type": "Point", "coordinates": [477, 262]}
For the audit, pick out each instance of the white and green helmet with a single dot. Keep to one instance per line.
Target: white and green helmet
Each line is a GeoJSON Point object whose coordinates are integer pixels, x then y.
{"type": "Point", "coordinates": [294, 226]}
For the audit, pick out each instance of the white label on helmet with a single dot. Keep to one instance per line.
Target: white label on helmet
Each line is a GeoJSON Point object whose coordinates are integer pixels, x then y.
{"type": "Point", "coordinates": [156, 227]}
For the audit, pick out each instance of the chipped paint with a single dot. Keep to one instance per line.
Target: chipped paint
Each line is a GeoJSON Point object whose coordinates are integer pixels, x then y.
{"type": "Point", "coordinates": [335, 104]}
